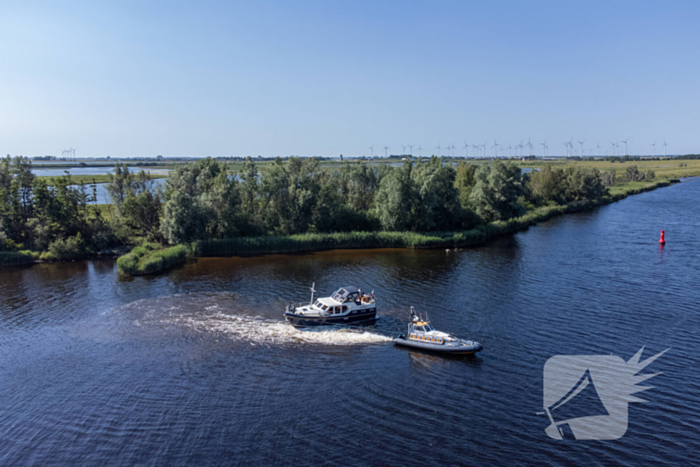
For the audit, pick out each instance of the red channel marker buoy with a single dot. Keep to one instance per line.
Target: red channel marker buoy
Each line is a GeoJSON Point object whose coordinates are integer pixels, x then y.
{"type": "Point", "coordinates": [662, 241]}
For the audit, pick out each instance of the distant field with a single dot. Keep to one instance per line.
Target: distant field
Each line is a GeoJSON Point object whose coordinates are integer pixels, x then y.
{"type": "Point", "coordinates": [663, 169]}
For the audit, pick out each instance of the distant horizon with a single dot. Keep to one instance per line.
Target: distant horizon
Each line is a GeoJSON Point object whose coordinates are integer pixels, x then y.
{"type": "Point", "coordinates": [539, 156]}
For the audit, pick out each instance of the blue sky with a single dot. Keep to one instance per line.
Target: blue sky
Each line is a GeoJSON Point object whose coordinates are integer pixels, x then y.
{"type": "Point", "coordinates": [329, 77]}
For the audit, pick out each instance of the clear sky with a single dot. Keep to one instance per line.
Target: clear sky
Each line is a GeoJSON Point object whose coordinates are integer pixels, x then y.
{"type": "Point", "coordinates": [197, 78]}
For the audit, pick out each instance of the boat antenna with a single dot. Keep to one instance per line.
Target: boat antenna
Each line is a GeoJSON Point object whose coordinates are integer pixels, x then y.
{"type": "Point", "coordinates": [313, 290]}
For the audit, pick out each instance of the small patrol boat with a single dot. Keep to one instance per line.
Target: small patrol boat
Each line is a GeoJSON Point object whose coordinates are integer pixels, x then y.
{"type": "Point", "coordinates": [422, 335]}
{"type": "Point", "coordinates": [347, 305]}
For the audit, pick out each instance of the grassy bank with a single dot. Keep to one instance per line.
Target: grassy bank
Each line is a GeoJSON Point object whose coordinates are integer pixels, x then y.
{"type": "Point", "coordinates": [17, 258]}
{"type": "Point", "coordinates": [150, 258]}
{"type": "Point", "coordinates": [352, 240]}
{"type": "Point", "coordinates": [313, 242]}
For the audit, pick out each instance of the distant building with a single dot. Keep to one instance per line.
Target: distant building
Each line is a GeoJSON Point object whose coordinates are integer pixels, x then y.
{"type": "Point", "coordinates": [159, 157]}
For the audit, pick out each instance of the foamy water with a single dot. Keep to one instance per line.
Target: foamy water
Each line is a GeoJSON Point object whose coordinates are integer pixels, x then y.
{"type": "Point", "coordinates": [259, 331]}
{"type": "Point", "coordinates": [217, 317]}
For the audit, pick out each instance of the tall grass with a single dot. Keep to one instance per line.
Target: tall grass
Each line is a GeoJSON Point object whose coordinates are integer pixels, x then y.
{"type": "Point", "coordinates": [150, 258]}
{"type": "Point", "coordinates": [17, 258]}
{"type": "Point", "coordinates": [412, 240]}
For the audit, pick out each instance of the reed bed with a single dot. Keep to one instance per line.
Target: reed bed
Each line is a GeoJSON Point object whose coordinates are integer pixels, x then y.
{"type": "Point", "coordinates": [150, 258]}
{"type": "Point", "coordinates": [352, 240]}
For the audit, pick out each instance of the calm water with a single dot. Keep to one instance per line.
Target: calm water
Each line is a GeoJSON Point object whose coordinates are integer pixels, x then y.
{"type": "Point", "coordinates": [102, 195]}
{"type": "Point", "coordinates": [197, 367]}
{"type": "Point", "coordinates": [39, 172]}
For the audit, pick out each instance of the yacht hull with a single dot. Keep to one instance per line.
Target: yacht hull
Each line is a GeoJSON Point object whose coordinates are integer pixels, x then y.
{"type": "Point", "coordinates": [302, 321]}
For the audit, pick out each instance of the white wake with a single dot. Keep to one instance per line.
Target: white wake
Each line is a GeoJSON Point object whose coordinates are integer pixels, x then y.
{"type": "Point", "coordinates": [260, 331]}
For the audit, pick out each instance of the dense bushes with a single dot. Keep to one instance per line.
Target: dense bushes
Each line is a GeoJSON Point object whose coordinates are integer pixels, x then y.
{"type": "Point", "coordinates": [204, 202]}
{"type": "Point", "coordinates": [563, 186]}
{"type": "Point", "coordinates": [68, 249]}
{"type": "Point", "coordinates": [632, 174]}
{"type": "Point", "coordinates": [150, 258]}
{"type": "Point", "coordinates": [61, 219]}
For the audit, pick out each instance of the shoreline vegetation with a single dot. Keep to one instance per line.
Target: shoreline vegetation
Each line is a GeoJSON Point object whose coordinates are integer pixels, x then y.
{"type": "Point", "coordinates": [409, 240]}
{"type": "Point", "coordinates": [208, 208]}
{"type": "Point", "coordinates": [150, 258]}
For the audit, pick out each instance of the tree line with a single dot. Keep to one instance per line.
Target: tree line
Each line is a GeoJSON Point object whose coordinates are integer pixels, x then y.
{"type": "Point", "coordinates": [205, 200]}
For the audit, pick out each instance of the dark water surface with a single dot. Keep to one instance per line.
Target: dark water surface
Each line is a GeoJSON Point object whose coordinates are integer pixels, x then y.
{"type": "Point", "coordinates": [197, 367]}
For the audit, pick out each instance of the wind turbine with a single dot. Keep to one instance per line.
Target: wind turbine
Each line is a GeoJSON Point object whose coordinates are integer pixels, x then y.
{"type": "Point", "coordinates": [544, 149]}
{"type": "Point", "coordinates": [411, 147]}
{"type": "Point", "coordinates": [495, 149]}
{"type": "Point", "coordinates": [664, 148]}
{"type": "Point", "coordinates": [419, 150]}
{"type": "Point", "coordinates": [386, 148]}
{"type": "Point", "coordinates": [613, 149]}
{"type": "Point", "coordinates": [597, 154]}
{"type": "Point", "coordinates": [466, 149]}
{"type": "Point", "coordinates": [529, 147]}
{"type": "Point", "coordinates": [438, 148]}
{"type": "Point", "coordinates": [371, 149]}
{"type": "Point", "coordinates": [403, 153]}
{"type": "Point", "coordinates": [625, 141]}
{"type": "Point", "coordinates": [581, 143]}
{"type": "Point", "coordinates": [510, 153]}
{"type": "Point", "coordinates": [653, 153]}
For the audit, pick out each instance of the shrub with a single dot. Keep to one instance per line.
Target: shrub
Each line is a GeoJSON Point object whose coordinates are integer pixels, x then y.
{"type": "Point", "coordinates": [67, 249]}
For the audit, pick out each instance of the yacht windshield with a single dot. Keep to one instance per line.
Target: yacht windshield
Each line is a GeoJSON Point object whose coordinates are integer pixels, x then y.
{"type": "Point", "coordinates": [428, 328]}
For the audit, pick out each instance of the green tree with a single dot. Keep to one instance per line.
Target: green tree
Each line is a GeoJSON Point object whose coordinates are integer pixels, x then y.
{"type": "Point", "coordinates": [496, 192]}
{"type": "Point", "coordinates": [396, 200]}
{"type": "Point", "coordinates": [465, 179]}
{"type": "Point", "coordinates": [580, 184]}
{"type": "Point", "coordinates": [289, 194]}
{"type": "Point", "coordinates": [438, 206]}
{"type": "Point", "coordinates": [184, 220]}
{"type": "Point", "coordinates": [546, 185]}
{"type": "Point", "coordinates": [120, 182]}
{"type": "Point", "coordinates": [141, 212]}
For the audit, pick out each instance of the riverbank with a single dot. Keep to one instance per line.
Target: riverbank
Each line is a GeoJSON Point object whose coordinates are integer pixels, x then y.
{"type": "Point", "coordinates": [153, 259]}
{"type": "Point", "coordinates": [352, 240]}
